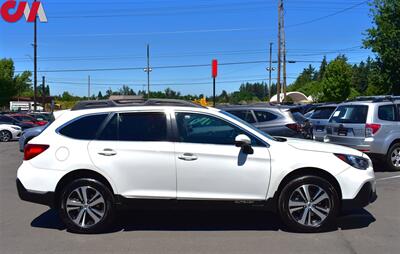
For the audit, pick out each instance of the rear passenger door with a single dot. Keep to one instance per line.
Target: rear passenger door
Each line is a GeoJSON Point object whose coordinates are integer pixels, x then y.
{"type": "Point", "coordinates": [135, 152]}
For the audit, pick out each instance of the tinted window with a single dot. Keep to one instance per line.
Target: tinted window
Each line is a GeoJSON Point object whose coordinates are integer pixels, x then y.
{"type": "Point", "coordinates": [299, 117]}
{"type": "Point", "coordinates": [387, 113]}
{"type": "Point", "coordinates": [24, 118]}
{"type": "Point", "coordinates": [110, 131]}
{"type": "Point", "coordinates": [323, 113]}
{"type": "Point", "coordinates": [350, 114]}
{"type": "Point", "coordinates": [142, 127]}
{"type": "Point", "coordinates": [84, 128]}
{"type": "Point", "coordinates": [5, 119]}
{"type": "Point", "coordinates": [245, 115]}
{"type": "Point", "coordinates": [398, 111]}
{"type": "Point", "coordinates": [204, 129]}
{"type": "Point", "coordinates": [265, 116]}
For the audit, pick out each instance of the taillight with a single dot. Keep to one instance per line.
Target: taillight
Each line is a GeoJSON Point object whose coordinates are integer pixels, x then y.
{"type": "Point", "coordinates": [33, 150]}
{"type": "Point", "coordinates": [371, 129]}
{"type": "Point", "coordinates": [293, 126]}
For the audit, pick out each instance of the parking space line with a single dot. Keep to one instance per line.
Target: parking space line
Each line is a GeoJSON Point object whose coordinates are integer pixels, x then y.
{"type": "Point", "coordinates": [388, 178]}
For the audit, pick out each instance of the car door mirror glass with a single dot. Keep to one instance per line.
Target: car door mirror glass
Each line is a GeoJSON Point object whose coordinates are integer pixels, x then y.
{"type": "Point", "coordinates": [244, 142]}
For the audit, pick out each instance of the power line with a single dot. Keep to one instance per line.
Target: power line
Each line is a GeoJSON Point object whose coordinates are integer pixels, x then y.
{"type": "Point", "coordinates": [169, 66]}
{"type": "Point", "coordinates": [328, 16]}
{"type": "Point", "coordinates": [158, 84]}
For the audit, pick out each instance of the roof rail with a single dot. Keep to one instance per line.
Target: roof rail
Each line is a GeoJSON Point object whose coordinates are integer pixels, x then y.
{"type": "Point", "coordinates": [378, 98]}
{"type": "Point", "coordinates": [133, 102]}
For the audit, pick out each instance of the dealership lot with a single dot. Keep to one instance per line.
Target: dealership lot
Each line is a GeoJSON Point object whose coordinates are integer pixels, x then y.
{"type": "Point", "coordinates": [31, 228]}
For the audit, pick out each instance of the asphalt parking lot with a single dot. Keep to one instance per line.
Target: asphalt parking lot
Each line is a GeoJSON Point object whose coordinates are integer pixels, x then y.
{"type": "Point", "coordinates": [31, 228]}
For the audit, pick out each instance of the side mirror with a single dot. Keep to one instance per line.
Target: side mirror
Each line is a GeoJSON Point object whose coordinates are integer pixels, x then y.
{"type": "Point", "coordinates": [244, 142]}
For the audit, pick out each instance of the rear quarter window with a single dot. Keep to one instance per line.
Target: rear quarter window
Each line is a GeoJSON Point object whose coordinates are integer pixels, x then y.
{"type": "Point", "coordinates": [356, 114]}
{"type": "Point", "coordinates": [84, 128]}
{"type": "Point", "coordinates": [387, 113]}
{"type": "Point", "coordinates": [264, 116]}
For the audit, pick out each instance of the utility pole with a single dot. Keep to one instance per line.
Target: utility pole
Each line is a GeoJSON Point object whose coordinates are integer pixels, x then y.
{"type": "Point", "coordinates": [148, 70]}
{"type": "Point", "coordinates": [284, 52]}
{"type": "Point", "coordinates": [44, 92]}
{"type": "Point", "coordinates": [269, 69]}
{"type": "Point", "coordinates": [34, 64]}
{"type": "Point", "coordinates": [278, 81]}
{"type": "Point", "coordinates": [88, 92]}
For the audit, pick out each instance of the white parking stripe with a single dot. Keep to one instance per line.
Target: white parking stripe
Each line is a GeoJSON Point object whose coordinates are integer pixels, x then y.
{"type": "Point", "coordinates": [388, 178]}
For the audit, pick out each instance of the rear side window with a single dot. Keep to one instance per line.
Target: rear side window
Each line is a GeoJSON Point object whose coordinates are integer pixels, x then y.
{"type": "Point", "coordinates": [387, 113]}
{"type": "Point", "coordinates": [323, 113]}
{"type": "Point", "coordinates": [84, 128]}
{"type": "Point", "coordinates": [245, 115]}
{"type": "Point", "coordinates": [398, 111]}
{"type": "Point", "coordinates": [146, 126]}
{"type": "Point", "coordinates": [5, 119]}
{"type": "Point", "coordinates": [265, 116]}
{"type": "Point", "coordinates": [110, 131]}
{"type": "Point", "coordinates": [350, 114]}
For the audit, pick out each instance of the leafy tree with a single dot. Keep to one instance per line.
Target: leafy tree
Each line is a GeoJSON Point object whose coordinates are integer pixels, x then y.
{"type": "Point", "coordinates": [384, 40]}
{"type": "Point", "coordinates": [305, 77]}
{"type": "Point", "coordinates": [322, 68]}
{"type": "Point", "coordinates": [99, 96]}
{"type": "Point", "coordinates": [336, 83]}
{"type": "Point", "coordinates": [12, 85]}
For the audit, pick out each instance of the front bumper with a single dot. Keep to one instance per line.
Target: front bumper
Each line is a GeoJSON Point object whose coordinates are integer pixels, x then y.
{"type": "Point", "coordinates": [365, 196]}
{"type": "Point", "coordinates": [43, 198]}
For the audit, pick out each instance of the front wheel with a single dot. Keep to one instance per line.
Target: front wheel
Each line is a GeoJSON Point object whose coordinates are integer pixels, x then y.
{"type": "Point", "coordinates": [5, 136]}
{"type": "Point", "coordinates": [308, 204]}
{"type": "Point", "coordinates": [86, 206]}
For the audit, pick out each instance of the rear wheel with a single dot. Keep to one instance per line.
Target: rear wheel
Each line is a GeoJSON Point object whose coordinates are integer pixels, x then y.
{"type": "Point", "coordinates": [86, 206]}
{"type": "Point", "coordinates": [308, 204]}
{"type": "Point", "coordinates": [5, 136]}
{"type": "Point", "coordinates": [393, 157]}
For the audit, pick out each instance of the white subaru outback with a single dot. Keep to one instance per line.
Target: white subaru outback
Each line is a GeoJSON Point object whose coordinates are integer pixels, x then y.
{"type": "Point", "coordinates": [106, 155]}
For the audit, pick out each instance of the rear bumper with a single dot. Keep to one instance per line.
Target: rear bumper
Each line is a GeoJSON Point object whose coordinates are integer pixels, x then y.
{"type": "Point", "coordinates": [365, 196]}
{"type": "Point", "coordinates": [366, 145]}
{"type": "Point", "coordinates": [43, 198]}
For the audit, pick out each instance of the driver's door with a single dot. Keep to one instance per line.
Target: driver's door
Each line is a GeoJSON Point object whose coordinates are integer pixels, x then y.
{"type": "Point", "coordinates": [210, 166]}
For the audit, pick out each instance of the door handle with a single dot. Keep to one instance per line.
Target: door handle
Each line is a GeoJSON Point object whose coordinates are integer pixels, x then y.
{"type": "Point", "coordinates": [108, 152]}
{"type": "Point", "coordinates": [187, 157]}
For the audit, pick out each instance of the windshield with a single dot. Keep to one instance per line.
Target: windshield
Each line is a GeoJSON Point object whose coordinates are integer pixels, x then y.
{"type": "Point", "coordinates": [248, 125]}
{"type": "Point", "coordinates": [350, 114]}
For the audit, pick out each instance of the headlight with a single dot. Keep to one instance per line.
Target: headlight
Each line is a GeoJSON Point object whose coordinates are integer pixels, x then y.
{"type": "Point", "coordinates": [16, 128]}
{"type": "Point", "coordinates": [355, 161]}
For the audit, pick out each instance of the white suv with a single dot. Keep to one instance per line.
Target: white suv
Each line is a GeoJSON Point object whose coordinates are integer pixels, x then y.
{"type": "Point", "coordinates": [105, 155]}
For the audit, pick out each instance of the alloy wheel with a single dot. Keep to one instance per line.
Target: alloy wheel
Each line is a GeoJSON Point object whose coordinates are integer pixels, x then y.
{"type": "Point", "coordinates": [395, 157]}
{"type": "Point", "coordinates": [85, 206]}
{"type": "Point", "coordinates": [5, 136]}
{"type": "Point", "coordinates": [309, 205]}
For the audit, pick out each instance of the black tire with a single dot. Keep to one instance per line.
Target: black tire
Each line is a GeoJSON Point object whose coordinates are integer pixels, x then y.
{"type": "Point", "coordinates": [292, 217]}
{"type": "Point", "coordinates": [103, 212]}
{"type": "Point", "coordinates": [5, 136]}
{"type": "Point", "coordinates": [394, 149]}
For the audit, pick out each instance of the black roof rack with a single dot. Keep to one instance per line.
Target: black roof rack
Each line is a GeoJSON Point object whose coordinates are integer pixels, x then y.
{"type": "Point", "coordinates": [378, 98]}
{"type": "Point", "coordinates": [133, 102]}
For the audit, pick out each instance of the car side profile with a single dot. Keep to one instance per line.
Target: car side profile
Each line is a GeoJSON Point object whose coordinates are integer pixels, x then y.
{"type": "Point", "coordinates": [273, 120]}
{"type": "Point", "coordinates": [107, 155]}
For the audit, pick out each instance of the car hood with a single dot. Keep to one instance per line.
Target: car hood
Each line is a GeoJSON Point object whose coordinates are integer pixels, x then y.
{"type": "Point", "coordinates": [9, 126]}
{"type": "Point", "coordinates": [308, 145]}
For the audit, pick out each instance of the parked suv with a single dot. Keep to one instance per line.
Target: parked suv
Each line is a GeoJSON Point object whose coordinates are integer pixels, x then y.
{"type": "Point", "coordinates": [369, 124]}
{"type": "Point", "coordinates": [319, 119]}
{"type": "Point", "coordinates": [106, 155]}
{"type": "Point", "coordinates": [273, 120]}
